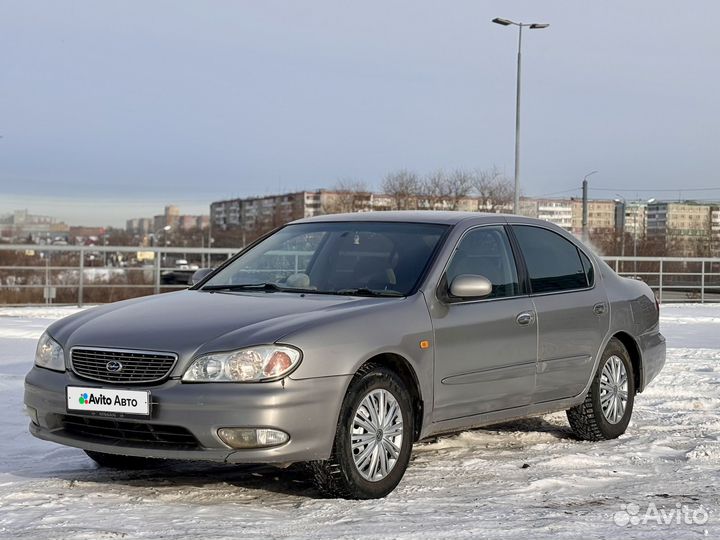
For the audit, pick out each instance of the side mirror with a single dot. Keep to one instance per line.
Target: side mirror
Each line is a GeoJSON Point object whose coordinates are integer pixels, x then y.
{"type": "Point", "coordinates": [470, 286]}
{"type": "Point", "coordinates": [199, 275]}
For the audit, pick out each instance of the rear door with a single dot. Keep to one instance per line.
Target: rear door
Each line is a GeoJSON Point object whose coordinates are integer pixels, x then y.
{"type": "Point", "coordinates": [485, 349]}
{"type": "Point", "coordinates": [572, 312]}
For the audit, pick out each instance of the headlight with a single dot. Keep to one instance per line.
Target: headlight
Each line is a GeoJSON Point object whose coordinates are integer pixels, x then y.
{"type": "Point", "coordinates": [49, 354]}
{"type": "Point", "coordinates": [255, 364]}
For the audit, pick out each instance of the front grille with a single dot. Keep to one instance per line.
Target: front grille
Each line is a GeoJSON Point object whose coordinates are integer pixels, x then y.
{"type": "Point", "coordinates": [137, 366]}
{"type": "Point", "coordinates": [109, 430]}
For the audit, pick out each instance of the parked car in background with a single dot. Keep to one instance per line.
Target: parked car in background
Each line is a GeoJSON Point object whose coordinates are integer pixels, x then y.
{"type": "Point", "coordinates": [341, 340]}
{"type": "Point", "coordinates": [181, 274]}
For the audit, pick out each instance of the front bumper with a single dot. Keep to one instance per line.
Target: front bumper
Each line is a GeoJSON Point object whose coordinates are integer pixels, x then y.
{"type": "Point", "coordinates": [305, 409]}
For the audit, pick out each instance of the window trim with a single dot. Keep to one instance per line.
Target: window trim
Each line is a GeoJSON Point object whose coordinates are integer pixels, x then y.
{"type": "Point", "coordinates": [445, 299]}
{"type": "Point", "coordinates": [571, 241]}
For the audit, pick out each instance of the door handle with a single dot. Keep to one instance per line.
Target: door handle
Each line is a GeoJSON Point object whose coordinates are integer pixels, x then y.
{"type": "Point", "coordinates": [526, 318]}
{"type": "Point", "coordinates": [600, 308]}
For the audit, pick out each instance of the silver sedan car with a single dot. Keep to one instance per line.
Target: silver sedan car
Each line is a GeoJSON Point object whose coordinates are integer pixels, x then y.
{"type": "Point", "coordinates": [341, 340]}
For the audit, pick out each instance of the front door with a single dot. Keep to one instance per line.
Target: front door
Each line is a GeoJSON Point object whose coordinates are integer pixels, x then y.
{"type": "Point", "coordinates": [485, 349]}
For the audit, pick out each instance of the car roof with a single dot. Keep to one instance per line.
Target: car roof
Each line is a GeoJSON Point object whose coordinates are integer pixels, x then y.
{"type": "Point", "coordinates": [446, 217]}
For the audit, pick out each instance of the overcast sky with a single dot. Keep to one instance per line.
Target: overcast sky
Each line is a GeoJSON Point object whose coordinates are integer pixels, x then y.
{"type": "Point", "coordinates": [108, 110]}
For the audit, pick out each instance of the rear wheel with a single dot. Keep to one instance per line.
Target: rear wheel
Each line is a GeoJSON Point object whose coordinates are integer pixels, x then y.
{"type": "Point", "coordinates": [373, 439]}
{"type": "Point", "coordinates": [607, 408]}
{"type": "Point", "coordinates": [115, 461]}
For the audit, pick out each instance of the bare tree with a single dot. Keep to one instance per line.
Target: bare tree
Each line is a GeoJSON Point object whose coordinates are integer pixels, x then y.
{"type": "Point", "coordinates": [495, 190]}
{"type": "Point", "coordinates": [347, 196]}
{"type": "Point", "coordinates": [434, 190]}
{"type": "Point", "coordinates": [457, 187]}
{"type": "Point", "coordinates": [403, 188]}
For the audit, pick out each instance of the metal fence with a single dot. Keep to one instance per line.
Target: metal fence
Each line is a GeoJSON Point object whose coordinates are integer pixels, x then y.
{"type": "Point", "coordinates": [674, 279]}
{"type": "Point", "coordinates": [33, 274]}
{"type": "Point", "coordinates": [36, 274]}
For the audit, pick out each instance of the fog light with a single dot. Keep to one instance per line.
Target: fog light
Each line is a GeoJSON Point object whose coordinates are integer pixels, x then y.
{"type": "Point", "coordinates": [32, 413]}
{"type": "Point", "coordinates": [252, 437]}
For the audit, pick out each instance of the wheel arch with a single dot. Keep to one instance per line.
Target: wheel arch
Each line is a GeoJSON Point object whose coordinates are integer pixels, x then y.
{"type": "Point", "coordinates": [404, 369]}
{"type": "Point", "coordinates": [633, 350]}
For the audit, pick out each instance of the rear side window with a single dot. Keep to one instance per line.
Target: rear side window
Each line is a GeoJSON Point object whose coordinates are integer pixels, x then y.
{"type": "Point", "coordinates": [589, 270]}
{"type": "Point", "coordinates": [553, 262]}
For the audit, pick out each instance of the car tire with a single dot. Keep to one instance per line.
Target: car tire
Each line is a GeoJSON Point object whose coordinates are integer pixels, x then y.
{"type": "Point", "coordinates": [347, 473]}
{"type": "Point", "coordinates": [604, 414]}
{"type": "Point", "coordinates": [116, 461]}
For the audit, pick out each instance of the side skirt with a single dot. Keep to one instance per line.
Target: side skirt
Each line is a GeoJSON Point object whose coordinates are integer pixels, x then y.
{"type": "Point", "coordinates": [504, 415]}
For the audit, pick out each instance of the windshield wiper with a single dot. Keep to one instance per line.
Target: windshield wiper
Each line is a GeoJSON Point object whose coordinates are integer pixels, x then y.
{"type": "Point", "coordinates": [273, 287]}
{"type": "Point", "coordinates": [364, 291]}
{"type": "Point", "coordinates": [268, 287]}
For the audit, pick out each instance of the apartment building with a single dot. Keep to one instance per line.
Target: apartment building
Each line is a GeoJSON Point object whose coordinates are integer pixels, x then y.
{"type": "Point", "coordinates": [22, 225]}
{"type": "Point", "coordinates": [557, 211]}
{"type": "Point", "coordinates": [170, 217]}
{"type": "Point", "coordinates": [139, 226]}
{"type": "Point", "coordinates": [601, 216]}
{"type": "Point", "coordinates": [683, 227]}
{"type": "Point", "coordinates": [632, 218]}
{"type": "Point", "coordinates": [715, 230]}
{"type": "Point", "coordinates": [260, 214]}
{"type": "Point", "coordinates": [256, 215]}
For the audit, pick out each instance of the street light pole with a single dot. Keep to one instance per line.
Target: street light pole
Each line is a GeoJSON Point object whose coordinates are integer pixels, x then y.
{"type": "Point", "coordinates": [585, 235]}
{"type": "Point", "coordinates": [620, 199]}
{"type": "Point", "coordinates": [520, 25]}
{"type": "Point", "coordinates": [516, 200]}
{"type": "Point", "coordinates": [165, 229]}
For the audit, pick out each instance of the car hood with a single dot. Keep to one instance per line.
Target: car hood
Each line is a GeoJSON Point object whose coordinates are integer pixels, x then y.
{"type": "Point", "coordinates": [193, 322]}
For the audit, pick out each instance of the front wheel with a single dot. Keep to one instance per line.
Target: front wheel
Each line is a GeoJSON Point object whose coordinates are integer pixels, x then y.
{"type": "Point", "coordinates": [373, 439]}
{"type": "Point", "coordinates": [608, 406]}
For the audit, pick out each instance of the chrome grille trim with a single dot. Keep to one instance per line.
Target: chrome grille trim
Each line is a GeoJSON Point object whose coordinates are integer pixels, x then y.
{"type": "Point", "coordinates": [139, 366]}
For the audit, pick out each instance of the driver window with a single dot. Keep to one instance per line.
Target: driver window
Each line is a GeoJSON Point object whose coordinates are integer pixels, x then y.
{"type": "Point", "coordinates": [486, 251]}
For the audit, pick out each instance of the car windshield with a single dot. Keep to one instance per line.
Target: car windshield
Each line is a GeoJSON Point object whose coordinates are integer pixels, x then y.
{"type": "Point", "coordinates": [354, 258]}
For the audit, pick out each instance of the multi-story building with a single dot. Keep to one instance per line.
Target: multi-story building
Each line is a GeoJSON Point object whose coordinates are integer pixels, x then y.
{"type": "Point", "coordinates": [681, 227]}
{"type": "Point", "coordinates": [132, 225]}
{"type": "Point", "coordinates": [159, 222]}
{"type": "Point", "coordinates": [557, 211]}
{"type": "Point", "coordinates": [601, 217]}
{"type": "Point", "coordinates": [172, 215]}
{"type": "Point", "coordinates": [21, 225]}
{"type": "Point", "coordinates": [715, 230]}
{"type": "Point", "coordinates": [147, 226]}
{"type": "Point", "coordinates": [256, 215]}
{"type": "Point", "coordinates": [139, 226]}
{"type": "Point", "coordinates": [188, 222]}
{"type": "Point", "coordinates": [685, 228]}
{"type": "Point", "coordinates": [631, 217]}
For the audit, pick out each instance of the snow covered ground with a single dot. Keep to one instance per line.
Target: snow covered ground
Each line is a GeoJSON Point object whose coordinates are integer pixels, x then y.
{"type": "Point", "coordinates": [523, 479]}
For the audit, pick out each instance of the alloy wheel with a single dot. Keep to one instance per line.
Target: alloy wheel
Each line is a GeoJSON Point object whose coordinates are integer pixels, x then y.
{"type": "Point", "coordinates": [613, 389]}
